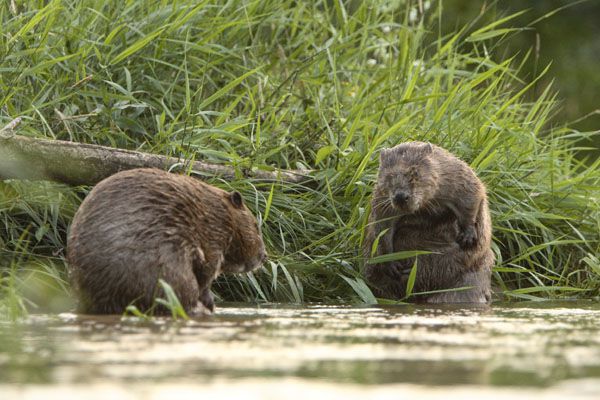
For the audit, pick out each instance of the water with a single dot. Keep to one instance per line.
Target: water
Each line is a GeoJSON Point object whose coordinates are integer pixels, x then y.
{"type": "Point", "coordinates": [273, 352]}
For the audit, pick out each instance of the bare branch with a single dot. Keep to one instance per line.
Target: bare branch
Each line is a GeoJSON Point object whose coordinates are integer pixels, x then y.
{"type": "Point", "coordinates": [85, 164]}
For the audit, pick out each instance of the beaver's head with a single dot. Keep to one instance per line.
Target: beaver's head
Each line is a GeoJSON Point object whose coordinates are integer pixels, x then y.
{"type": "Point", "coordinates": [408, 176]}
{"type": "Point", "coordinates": [246, 251]}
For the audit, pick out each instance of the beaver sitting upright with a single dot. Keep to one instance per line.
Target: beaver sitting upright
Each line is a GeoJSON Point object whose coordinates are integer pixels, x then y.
{"type": "Point", "coordinates": [427, 199]}
{"type": "Point", "coordinates": [142, 225]}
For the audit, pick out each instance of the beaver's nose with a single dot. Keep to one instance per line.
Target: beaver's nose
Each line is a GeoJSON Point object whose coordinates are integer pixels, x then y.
{"type": "Point", "coordinates": [400, 197]}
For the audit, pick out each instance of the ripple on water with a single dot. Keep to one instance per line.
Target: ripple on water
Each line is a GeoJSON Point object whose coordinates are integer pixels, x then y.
{"type": "Point", "coordinates": [345, 351]}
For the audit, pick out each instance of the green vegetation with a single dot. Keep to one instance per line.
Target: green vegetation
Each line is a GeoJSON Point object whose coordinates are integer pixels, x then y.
{"type": "Point", "coordinates": [171, 303]}
{"type": "Point", "coordinates": [318, 85]}
{"type": "Point", "coordinates": [563, 33]}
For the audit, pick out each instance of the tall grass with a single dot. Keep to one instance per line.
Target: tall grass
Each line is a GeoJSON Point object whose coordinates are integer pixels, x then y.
{"type": "Point", "coordinates": [319, 85]}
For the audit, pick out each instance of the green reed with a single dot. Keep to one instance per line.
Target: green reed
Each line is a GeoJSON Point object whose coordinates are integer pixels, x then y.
{"type": "Point", "coordinates": [317, 85]}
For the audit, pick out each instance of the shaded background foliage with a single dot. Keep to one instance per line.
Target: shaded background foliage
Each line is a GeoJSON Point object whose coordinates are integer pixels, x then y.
{"type": "Point", "coordinates": [321, 85]}
{"type": "Point", "coordinates": [567, 38]}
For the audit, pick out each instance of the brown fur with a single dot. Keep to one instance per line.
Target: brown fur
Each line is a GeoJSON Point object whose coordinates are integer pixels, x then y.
{"type": "Point", "coordinates": [428, 199]}
{"type": "Point", "coordinates": [142, 225]}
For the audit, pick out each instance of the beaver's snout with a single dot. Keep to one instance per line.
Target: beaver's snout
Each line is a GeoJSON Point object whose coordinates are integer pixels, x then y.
{"type": "Point", "coordinates": [263, 257]}
{"type": "Point", "coordinates": [400, 198]}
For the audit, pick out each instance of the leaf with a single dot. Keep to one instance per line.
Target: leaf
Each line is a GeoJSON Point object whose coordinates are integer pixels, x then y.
{"type": "Point", "coordinates": [400, 255]}
{"type": "Point", "coordinates": [268, 205]}
{"type": "Point", "coordinates": [361, 289]}
{"type": "Point", "coordinates": [47, 64]}
{"type": "Point", "coordinates": [293, 286]}
{"type": "Point", "coordinates": [133, 310]}
{"type": "Point", "coordinates": [172, 301]}
{"type": "Point", "coordinates": [221, 92]}
{"type": "Point", "coordinates": [137, 46]}
{"type": "Point", "coordinates": [375, 244]}
{"type": "Point", "coordinates": [274, 274]}
{"type": "Point", "coordinates": [113, 33]}
{"type": "Point", "coordinates": [534, 249]}
{"type": "Point", "coordinates": [41, 231]}
{"type": "Point", "coordinates": [256, 285]}
{"type": "Point", "coordinates": [491, 34]}
{"type": "Point", "coordinates": [38, 16]}
{"type": "Point", "coordinates": [546, 289]}
{"type": "Point", "coordinates": [323, 153]}
{"type": "Point", "coordinates": [128, 80]}
{"type": "Point", "coordinates": [480, 32]}
{"type": "Point", "coordinates": [410, 284]}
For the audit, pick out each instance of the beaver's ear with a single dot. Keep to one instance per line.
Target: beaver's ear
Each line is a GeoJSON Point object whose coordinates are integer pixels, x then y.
{"type": "Point", "coordinates": [384, 156]}
{"type": "Point", "coordinates": [427, 148]}
{"type": "Point", "coordinates": [236, 199]}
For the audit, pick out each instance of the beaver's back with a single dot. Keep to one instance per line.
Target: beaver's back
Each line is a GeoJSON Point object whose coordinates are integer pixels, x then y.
{"type": "Point", "coordinates": [144, 207]}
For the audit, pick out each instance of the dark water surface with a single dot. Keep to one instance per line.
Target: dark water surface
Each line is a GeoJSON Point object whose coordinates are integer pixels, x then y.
{"type": "Point", "coordinates": [546, 350]}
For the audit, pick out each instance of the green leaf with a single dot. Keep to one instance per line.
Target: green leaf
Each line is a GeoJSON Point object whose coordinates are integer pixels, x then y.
{"type": "Point", "coordinates": [323, 153]}
{"type": "Point", "coordinates": [41, 231]}
{"type": "Point", "coordinates": [256, 285]}
{"type": "Point", "coordinates": [400, 255]}
{"type": "Point", "coordinates": [491, 34]}
{"type": "Point", "coordinates": [137, 46]}
{"type": "Point", "coordinates": [546, 289]}
{"type": "Point", "coordinates": [480, 32]}
{"type": "Point", "coordinates": [412, 276]}
{"type": "Point", "coordinates": [375, 244]}
{"type": "Point", "coordinates": [292, 284]}
{"type": "Point", "coordinates": [113, 33]}
{"type": "Point", "coordinates": [38, 17]}
{"type": "Point", "coordinates": [268, 205]}
{"type": "Point", "coordinates": [361, 289]}
{"type": "Point", "coordinates": [172, 301]}
{"type": "Point", "coordinates": [133, 310]}
{"type": "Point", "coordinates": [221, 92]}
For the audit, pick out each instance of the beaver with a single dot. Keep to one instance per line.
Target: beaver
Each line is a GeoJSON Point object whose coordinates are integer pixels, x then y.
{"type": "Point", "coordinates": [427, 199]}
{"type": "Point", "coordinates": [142, 225]}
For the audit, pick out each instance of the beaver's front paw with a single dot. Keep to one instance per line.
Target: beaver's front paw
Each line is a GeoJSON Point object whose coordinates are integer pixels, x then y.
{"type": "Point", "coordinates": [206, 298]}
{"type": "Point", "coordinates": [467, 237]}
{"type": "Point", "coordinates": [399, 271]}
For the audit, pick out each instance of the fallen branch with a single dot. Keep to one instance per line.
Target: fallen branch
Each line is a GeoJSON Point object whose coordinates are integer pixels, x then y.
{"type": "Point", "coordinates": [85, 164]}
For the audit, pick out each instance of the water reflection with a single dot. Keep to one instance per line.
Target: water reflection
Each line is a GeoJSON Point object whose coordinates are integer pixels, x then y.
{"type": "Point", "coordinates": [538, 347]}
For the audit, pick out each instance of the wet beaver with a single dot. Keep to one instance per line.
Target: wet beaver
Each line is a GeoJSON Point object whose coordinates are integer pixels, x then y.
{"type": "Point", "coordinates": [142, 225]}
{"type": "Point", "coordinates": [427, 199]}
